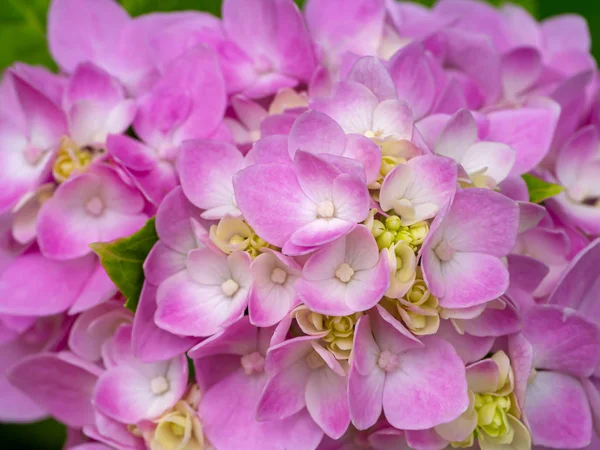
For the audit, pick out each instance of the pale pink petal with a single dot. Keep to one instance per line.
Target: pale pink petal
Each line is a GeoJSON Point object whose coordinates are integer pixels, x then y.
{"type": "Point", "coordinates": [274, 213]}
{"type": "Point", "coordinates": [413, 78]}
{"type": "Point", "coordinates": [316, 132]}
{"type": "Point", "coordinates": [570, 424]}
{"type": "Point", "coordinates": [206, 169]}
{"type": "Point", "coordinates": [370, 71]}
{"type": "Point", "coordinates": [327, 401]}
{"type": "Point", "coordinates": [432, 380]}
{"type": "Point", "coordinates": [351, 105]}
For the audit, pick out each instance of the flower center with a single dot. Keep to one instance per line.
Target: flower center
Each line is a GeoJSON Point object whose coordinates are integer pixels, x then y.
{"type": "Point", "coordinates": [278, 276]}
{"type": "Point", "coordinates": [233, 233]}
{"type": "Point", "coordinates": [344, 273]}
{"type": "Point", "coordinates": [95, 206]}
{"type": "Point", "coordinates": [253, 363]}
{"type": "Point", "coordinates": [71, 159]}
{"type": "Point", "coordinates": [325, 210]}
{"type": "Point", "coordinates": [491, 414]}
{"type": "Point", "coordinates": [392, 231]}
{"type": "Point", "coordinates": [229, 287]}
{"type": "Point", "coordinates": [373, 134]}
{"type": "Point", "coordinates": [159, 385]}
{"type": "Point", "coordinates": [444, 251]}
{"type": "Point", "coordinates": [388, 361]}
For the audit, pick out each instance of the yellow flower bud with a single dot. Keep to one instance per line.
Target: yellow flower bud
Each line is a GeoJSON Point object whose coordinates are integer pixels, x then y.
{"type": "Point", "coordinates": [337, 331]}
{"type": "Point", "coordinates": [179, 429]}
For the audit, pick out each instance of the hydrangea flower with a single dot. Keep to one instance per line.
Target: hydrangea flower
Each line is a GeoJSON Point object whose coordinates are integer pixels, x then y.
{"type": "Point", "coordinates": [364, 224]}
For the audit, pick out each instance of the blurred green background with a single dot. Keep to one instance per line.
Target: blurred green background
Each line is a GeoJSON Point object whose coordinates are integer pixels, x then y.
{"type": "Point", "coordinates": [22, 38]}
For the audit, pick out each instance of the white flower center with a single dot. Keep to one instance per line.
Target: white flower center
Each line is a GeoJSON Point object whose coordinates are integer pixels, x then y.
{"type": "Point", "coordinates": [253, 363]}
{"type": "Point", "coordinates": [159, 385]}
{"type": "Point", "coordinates": [388, 361]}
{"type": "Point", "coordinates": [344, 272]}
{"type": "Point", "coordinates": [229, 287]}
{"type": "Point", "coordinates": [278, 276]}
{"type": "Point", "coordinates": [325, 209]}
{"type": "Point", "coordinates": [444, 251]}
{"type": "Point", "coordinates": [94, 206]}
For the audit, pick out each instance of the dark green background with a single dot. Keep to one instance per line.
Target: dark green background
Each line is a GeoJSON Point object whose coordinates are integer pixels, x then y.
{"type": "Point", "coordinates": [22, 38]}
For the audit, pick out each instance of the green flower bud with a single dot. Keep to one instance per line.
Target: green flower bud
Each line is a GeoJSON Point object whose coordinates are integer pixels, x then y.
{"type": "Point", "coordinates": [378, 228]}
{"type": "Point", "coordinates": [385, 240]}
{"type": "Point", "coordinates": [393, 223]}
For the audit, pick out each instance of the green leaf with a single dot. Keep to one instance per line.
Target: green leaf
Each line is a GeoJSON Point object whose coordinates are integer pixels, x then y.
{"type": "Point", "coordinates": [137, 7]}
{"type": "Point", "coordinates": [539, 190]}
{"type": "Point", "coordinates": [23, 32]}
{"type": "Point", "coordinates": [123, 261]}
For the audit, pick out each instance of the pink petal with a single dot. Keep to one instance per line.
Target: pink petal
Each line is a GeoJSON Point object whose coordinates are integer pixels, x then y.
{"type": "Point", "coordinates": [173, 222]}
{"type": "Point", "coordinates": [270, 301]}
{"type": "Point", "coordinates": [570, 424]}
{"type": "Point", "coordinates": [206, 169]}
{"type": "Point", "coordinates": [370, 72]}
{"type": "Point", "coordinates": [59, 382]}
{"type": "Point", "coordinates": [520, 353]}
{"type": "Point", "coordinates": [149, 342]}
{"type": "Point", "coordinates": [192, 303]}
{"type": "Point", "coordinates": [529, 131]}
{"type": "Point", "coordinates": [316, 132]}
{"type": "Point", "coordinates": [315, 176]}
{"type": "Point", "coordinates": [284, 393]}
{"type": "Point", "coordinates": [278, 28]}
{"type": "Point", "coordinates": [274, 213]}
{"type": "Point", "coordinates": [271, 149]}
{"type": "Point", "coordinates": [327, 401]}
{"type": "Point", "coordinates": [413, 78]}
{"type": "Point", "coordinates": [468, 279]}
{"type": "Point", "coordinates": [469, 348]}
{"type": "Point", "coordinates": [566, 32]}
{"type": "Point", "coordinates": [365, 383]}
{"type": "Point", "coordinates": [341, 26]}
{"type": "Point", "coordinates": [67, 224]}
{"type": "Point", "coordinates": [579, 282]}
{"type": "Point", "coordinates": [393, 119]}
{"type": "Point", "coordinates": [481, 220]}
{"type": "Point", "coordinates": [427, 375]}
{"type": "Point", "coordinates": [494, 158]}
{"type": "Point", "coordinates": [428, 182]}
{"type": "Point", "coordinates": [187, 102]}
{"type": "Point", "coordinates": [60, 281]}
{"type": "Point", "coordinates": [162, 262]}
{"type": "Point", "coordinates": [239, 338]}
{"type": "Point", "coordinates": [85, 339]}
{"type": "Point", "coordinates": [351, 105]}
{"type": "Point", "coordinates": [573, 346]}
{"type": "Point", "coordinates": [98, 289]}
{"type": "Point", "coordinates": [227, 428]}
{"type": "Point", "coordinates": [520, 70]}
{"type": "Point", "coordinates": [83, 31]}
{"type": "Point", "coordinates": [366, 152]}
{"type": "Point", "coordinates": [457, 136]}
{"type": "Point", "coordinates": [483, 376]}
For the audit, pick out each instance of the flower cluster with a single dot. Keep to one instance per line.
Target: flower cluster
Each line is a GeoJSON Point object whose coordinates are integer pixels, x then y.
{"type": "Point", "coordinates": [377, 227]}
